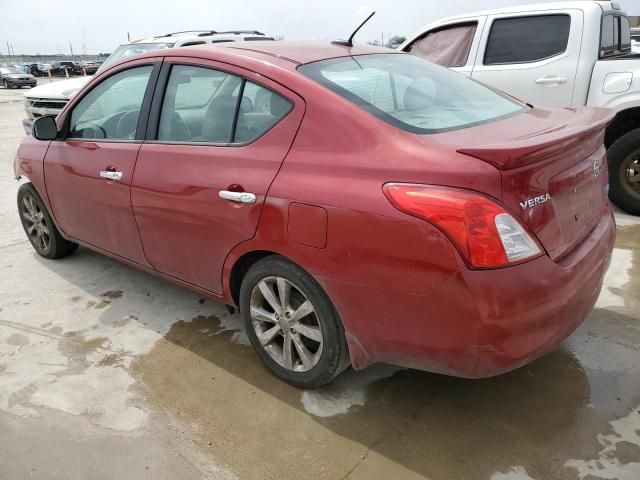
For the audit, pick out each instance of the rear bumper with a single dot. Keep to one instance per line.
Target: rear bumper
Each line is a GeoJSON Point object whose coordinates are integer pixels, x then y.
{"type": "Point", "coordinates": [21, 83]}
{"type": "Point", "coordinates": [478, 323]}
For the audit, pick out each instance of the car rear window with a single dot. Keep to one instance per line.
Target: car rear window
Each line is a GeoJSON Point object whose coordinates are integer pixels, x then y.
{"type": "Point", "coordinates": [411, 93]}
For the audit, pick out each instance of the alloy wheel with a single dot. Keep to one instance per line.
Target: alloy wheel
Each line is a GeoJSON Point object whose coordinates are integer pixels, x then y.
{"type": "Point", "coordinates": [286, 324]}
{"type": "Point", "coordinates": [35, 224]}
{"type": "Point", "coordinates": [630, 175]}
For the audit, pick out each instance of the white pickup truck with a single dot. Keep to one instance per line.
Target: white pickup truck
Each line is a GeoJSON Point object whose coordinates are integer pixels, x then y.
{"type": "Point", "coordinates": [563, 54]}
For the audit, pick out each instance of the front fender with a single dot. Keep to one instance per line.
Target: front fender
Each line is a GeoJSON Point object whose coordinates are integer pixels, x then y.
{"type": "Point", "coordinates": [29, 164]}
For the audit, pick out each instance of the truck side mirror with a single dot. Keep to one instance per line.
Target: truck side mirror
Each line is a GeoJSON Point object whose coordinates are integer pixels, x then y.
{"type": "Point", "coordinates": [45, 128]}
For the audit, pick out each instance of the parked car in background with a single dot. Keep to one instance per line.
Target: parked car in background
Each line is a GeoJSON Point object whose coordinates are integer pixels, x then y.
{"type": "Point", "coordinates": [49, 99]}
{"type": "Point", "coordinates": [91, 67]}
{"type": "Point", "coordinates": [11, 77]}
{"type": "Point", "coordinates": [563, 54]}
{"type": "Point", "coordinates": [65, 68]}
{"type": "Point", "coordinates": [358, 204]}
{"type": "Point", "coordinates": [37, 70]}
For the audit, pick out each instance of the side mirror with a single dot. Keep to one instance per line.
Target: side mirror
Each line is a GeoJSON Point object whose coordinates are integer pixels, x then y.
{"type": "Point", "coordinates": [45, 128]}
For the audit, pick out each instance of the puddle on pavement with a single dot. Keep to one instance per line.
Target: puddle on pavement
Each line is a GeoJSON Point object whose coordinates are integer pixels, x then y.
{"type": "Point", "coordinates": [574, 414]}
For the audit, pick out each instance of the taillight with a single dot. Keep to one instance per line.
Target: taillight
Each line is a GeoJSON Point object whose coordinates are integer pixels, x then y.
{"type": "Point", "coordinates": [485, 233]}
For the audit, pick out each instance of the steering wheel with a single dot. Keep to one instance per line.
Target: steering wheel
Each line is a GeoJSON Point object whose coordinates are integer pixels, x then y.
{"type": "Point", "coordinates": [127, 125]}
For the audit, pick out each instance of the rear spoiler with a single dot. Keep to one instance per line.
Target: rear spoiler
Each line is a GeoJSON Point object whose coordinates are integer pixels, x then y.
{"type": "Point", "coordinates": [546, 144]}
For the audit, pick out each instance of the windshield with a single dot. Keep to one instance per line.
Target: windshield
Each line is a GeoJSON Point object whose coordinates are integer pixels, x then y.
{"type": "Point", "coordinates": [7, 71]}
{"type": "Point", "coordinates": [128, 50]}
{"type": "Point", "coordinates": [411, 93]}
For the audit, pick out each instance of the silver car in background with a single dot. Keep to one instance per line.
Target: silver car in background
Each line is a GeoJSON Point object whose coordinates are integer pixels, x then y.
{"type": "Point", "coordinates": [11, 77]}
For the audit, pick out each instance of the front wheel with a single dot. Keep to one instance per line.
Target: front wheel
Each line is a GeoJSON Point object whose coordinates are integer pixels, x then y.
{"type": "Point", "coordinates": [292, 324]}
{"type": "Point", "coordinates": [39, 227]}
{"type": "Point", "coordinates": [624, 172]}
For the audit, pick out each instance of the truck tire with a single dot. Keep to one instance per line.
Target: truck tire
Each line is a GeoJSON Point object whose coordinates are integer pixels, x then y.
{"type": "Point", "coordinates": [624, 172]}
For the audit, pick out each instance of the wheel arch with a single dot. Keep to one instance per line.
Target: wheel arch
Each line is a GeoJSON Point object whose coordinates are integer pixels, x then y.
{"type": "Point", "coordinates": [624, 122]}
{"type": "Point", "coordinates": [240, 268]}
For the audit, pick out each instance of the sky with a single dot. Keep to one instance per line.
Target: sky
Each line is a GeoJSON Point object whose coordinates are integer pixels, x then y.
{"type": "Point", "coordinates": [48, 26]}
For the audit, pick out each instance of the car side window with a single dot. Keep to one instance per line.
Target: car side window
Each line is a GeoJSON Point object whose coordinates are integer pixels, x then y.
{"type": "Point", "coordinates": [201, 105]}
{"type": "Point", "coordinates": [260, 109]}
{"type": "Point", "coordinates": [527, 39]}
{"type": "Point", "coordinates": [449, 46]}
{"type": "Point", "coordinates": [111, 109]}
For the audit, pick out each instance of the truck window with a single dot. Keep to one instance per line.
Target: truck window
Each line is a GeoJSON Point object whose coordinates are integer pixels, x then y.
{"type": "Point", "coordinates": [527, 39]}
{"type": "Point", "coordinates": [615, 37]}
{"type": "Point", "coordinates": [449, 46]}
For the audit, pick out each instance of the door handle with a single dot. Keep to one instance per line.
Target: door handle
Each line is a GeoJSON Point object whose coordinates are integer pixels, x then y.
{"type": "Point", "coordinates": [551, 80]}
{"type": "Point", "coordinates": [242, 197]}
{"type": "Point", "coordinates": [115, 176]}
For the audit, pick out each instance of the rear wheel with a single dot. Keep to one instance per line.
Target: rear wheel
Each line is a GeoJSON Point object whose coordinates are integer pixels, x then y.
{"type": "Point", "coordinates": [292, 324]}
{"type": "Point", "coordinates": [624, 172]}
{"type": "Point", "coordinates": [39, 227]}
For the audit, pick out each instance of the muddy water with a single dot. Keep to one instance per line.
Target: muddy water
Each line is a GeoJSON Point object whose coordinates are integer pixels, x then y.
{"type": "Point", "coordinates": [574, 414]}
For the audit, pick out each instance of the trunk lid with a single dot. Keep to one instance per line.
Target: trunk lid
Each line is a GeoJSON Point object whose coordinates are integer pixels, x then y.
{"type": "Point", "coordinates": [553, 167]}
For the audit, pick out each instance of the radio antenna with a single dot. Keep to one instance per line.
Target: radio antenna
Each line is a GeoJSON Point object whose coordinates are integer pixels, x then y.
{"type": "Point", "coordinates": [349, 43]}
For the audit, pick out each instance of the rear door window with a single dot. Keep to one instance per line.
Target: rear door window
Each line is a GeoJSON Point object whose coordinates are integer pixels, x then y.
{"type": "Point", "coordinates": [260, 109]}
{"type": "Point", "coordinates": [448, 46]}
{"type": "Point", "coordinates": [201, 105]}
{"type": "Point", "coordinates": [527, 39]}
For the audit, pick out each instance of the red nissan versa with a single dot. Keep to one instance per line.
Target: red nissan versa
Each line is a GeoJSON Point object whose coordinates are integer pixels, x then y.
{"type": "Point", "coordinates": [358, 205]}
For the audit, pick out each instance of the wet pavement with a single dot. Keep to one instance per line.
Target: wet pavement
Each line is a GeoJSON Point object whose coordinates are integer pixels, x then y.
{"type": "Point", "coordinates": [108, 372]}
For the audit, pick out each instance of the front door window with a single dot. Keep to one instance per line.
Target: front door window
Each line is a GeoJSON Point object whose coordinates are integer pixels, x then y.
{"type": "Point", "coordinates": [112, 109]}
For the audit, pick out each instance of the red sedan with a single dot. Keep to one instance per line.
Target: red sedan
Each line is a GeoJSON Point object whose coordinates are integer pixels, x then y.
{"type": "Point", "coordinates": [358, 205]}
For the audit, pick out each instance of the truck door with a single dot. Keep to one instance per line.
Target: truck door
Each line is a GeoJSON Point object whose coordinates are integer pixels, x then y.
{"type": "Point", "coordinates": [533, 56]}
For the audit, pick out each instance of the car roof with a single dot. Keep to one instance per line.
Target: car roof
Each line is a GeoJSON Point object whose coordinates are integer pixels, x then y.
{"type": "Point", "coordinates": [301, 52]}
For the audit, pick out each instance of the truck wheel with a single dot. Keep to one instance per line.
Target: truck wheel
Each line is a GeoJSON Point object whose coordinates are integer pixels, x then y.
{"type": "Point", "coordinates": [39, 227]}
{"type": "Point", "coordinates": [292, 324]}
{"type": "Point", "coordinates": [624, 172]}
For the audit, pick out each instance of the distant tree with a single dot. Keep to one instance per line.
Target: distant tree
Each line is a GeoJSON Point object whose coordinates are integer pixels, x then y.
{"type": "Point", "coordinates": [396, 40]}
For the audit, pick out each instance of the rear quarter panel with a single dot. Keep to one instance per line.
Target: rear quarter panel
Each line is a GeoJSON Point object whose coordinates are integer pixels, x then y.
{"type": "Point", "coordinates": [616, 84]}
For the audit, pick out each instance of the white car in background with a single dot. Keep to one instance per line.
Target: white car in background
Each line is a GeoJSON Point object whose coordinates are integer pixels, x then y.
{"type": "Point", "coordinates": [49, 99]}
{"type": "Point", "coordinates": [563, 54]}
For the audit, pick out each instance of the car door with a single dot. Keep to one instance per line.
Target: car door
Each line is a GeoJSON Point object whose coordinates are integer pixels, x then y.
{"type": "Point", "coordinates": [533, 56]}
{"type": "Point", "coordinates": [452, 45]}
{"type": "Point", "coordinates": [88, 171]}
{"type": "Point", "coordinates": [216, 139]}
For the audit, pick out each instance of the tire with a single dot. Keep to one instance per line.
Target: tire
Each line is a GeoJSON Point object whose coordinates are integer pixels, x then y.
{"type": "Point", "coordinates": [42, 233]}
{"type": "Point", "coordinates": [5, 84]}
{"type": "Point", "coordinates": [623, 154]}
{"type": "Point", "coordinates": [326, 348]}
